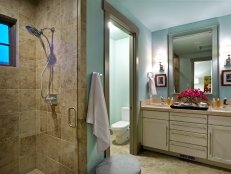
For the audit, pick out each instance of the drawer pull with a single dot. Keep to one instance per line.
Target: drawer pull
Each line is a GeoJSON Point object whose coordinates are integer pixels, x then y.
{"type": "Point", "coordinates": [167, 136]}
{"type": "Point", "coordinates": [210, 143]}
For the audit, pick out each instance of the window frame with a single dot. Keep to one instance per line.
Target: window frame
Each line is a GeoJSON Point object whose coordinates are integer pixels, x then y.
{"type": "Point", "coordinates": [11, 22]}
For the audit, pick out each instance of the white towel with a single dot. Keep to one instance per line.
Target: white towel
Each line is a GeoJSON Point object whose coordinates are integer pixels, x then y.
{"type": "Point", "coordinates": [152, 86]}
{"type": "Point", "coordinates": [97, 113]}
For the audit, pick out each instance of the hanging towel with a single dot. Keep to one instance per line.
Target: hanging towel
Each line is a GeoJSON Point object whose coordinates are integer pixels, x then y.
{"type": "Point", "coordinates": [152, 86]}
{"type": "Point", "coordinates": [97, 113]}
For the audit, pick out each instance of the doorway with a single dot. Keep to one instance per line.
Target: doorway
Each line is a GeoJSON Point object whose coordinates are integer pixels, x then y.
{"type": "Point", "coordinates": [119, 88]}
{"type": "Point", "coordinates": [121, 78]}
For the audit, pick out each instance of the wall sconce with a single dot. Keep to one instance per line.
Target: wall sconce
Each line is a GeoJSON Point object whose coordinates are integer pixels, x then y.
{"type": "Point", "coordinates": [161, 67]}
{"type": "Point", "coordinates": [160, 58]}
{"type": "Point", "coordinates": [227, 51]}
{"type": "Point", "coordinates": [228, 61]}
{"type": "Point", "coordinates": [196, 81]}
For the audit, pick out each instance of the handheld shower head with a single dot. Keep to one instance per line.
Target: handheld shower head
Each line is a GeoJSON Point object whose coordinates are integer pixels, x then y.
{"type": "Point", "coordinates": [50, 58]}
{"type": "Point", "coordinates": [34, 31]}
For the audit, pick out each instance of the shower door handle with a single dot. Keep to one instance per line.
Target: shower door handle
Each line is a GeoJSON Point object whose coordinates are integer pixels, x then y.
{"type": "Point", "coordinates": [70, 111]}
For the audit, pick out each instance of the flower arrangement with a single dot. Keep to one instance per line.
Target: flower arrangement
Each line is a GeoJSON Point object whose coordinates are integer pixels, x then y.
{"type": "Point", "coordinates": [192, 96]}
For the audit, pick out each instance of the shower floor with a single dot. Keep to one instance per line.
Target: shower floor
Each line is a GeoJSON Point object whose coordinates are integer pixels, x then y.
{"type": "Point", "coordinates": [35, 171]}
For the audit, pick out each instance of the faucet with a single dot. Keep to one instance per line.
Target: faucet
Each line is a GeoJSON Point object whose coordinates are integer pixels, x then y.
{"type": "Point", "coordinates": [225, 102]}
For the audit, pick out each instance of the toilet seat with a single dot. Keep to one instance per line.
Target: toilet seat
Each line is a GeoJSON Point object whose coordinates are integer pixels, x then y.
{"type": "Point", "coordinates": [120, 125]}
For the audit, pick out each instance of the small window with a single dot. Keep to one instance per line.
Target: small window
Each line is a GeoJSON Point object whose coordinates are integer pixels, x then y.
{"type": "Point", "coordinates": [7, 41]}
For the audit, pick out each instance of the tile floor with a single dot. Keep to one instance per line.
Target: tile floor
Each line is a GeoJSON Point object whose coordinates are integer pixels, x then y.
{"type": "Point", "coordinates": [156, 163]}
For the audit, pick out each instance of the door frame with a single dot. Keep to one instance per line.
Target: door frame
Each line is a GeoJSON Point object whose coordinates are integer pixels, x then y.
{"type": "Point", "coordinates": [198, 59]}
{"type": "Point", "coordinates": [111, 14]}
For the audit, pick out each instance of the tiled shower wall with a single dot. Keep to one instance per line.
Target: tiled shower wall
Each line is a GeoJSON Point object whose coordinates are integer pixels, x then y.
{"type": "Point", "coordinates": [56, 141]}
{"type": "Point", "coordinates": [17, 96]}
{"type": "Point", "coordinates": [32, 133]}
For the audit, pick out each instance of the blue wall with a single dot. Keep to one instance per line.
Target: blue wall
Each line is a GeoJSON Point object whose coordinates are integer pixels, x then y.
{"type": "Point", "coordinates": [95, 62]}
{"type": "Point", "coordinates": [159, 49]}
{"type": "Point", "coordinates": [159, 42]}
{"type": "Point", "coordinates": [144, 50]}
{"type": "Point", "coordinates": [119, 77]}
{"type": "Point", "coordinates": [149, 46]}
{"type": "Point", "coordinates": [144, 59]}
{"type": "Point", "coordinates": [224, 40]}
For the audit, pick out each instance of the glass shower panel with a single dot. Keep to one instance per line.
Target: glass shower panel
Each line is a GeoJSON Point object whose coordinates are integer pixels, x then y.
{"type": "Point", "coordinates": [34, 136]}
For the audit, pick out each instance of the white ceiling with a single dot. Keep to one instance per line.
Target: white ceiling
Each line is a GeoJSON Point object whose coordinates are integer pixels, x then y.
{"type": "Point", "coordinates": [195, 43]}
{"type": "Point", "coordinates": [116, 33]}
{"type": "Point", "coordinates": [162, 14]}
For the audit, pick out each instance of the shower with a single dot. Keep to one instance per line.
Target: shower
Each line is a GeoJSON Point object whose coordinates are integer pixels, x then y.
{"type": "Point", "coordinates": [50, 60]}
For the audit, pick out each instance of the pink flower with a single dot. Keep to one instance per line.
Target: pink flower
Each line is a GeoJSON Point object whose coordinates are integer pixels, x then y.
{"type": "Point", "coordinates": [192, 95]}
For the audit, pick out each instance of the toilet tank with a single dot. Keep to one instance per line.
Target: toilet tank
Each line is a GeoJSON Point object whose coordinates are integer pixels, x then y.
{"type": "Point", "coordinates": [125, 114]}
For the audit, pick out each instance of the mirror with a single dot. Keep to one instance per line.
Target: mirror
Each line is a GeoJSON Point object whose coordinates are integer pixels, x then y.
{"type": "Point", "coordinates": [193, 61]}
{"type": "Point", "coordinates": [192, 55]}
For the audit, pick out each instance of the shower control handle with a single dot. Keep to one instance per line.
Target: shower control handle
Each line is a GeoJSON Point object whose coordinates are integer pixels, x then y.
{"type": "Point", "coordinates": [72, 112]}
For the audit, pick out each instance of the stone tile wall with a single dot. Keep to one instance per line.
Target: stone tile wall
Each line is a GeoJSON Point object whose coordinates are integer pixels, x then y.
{"type": "Point", "coordinates": [32, 133]}
{"type": "Point", "coordinates": [57, 144]}
{"type": "Point", "coordinates": [17, 96]}
{"type": "Point", "coordinates": [82, 100]}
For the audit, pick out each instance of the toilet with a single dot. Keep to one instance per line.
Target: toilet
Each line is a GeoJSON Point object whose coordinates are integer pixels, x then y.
{"type": "Point", "coordinates": [121, 128]}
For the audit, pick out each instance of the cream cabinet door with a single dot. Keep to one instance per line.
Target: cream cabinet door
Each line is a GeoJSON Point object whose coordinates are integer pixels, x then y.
{"type": "Point", "coordinates": [155, 133]}
{"type": "Point", "coordinates": [219, 144]}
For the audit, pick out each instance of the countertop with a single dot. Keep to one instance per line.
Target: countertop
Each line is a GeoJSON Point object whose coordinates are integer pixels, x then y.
{"type": "Point", "coordinates": [210, 111]}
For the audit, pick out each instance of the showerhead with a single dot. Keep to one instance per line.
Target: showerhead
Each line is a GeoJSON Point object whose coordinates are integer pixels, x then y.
{"type": "Point", "coordinates": [50, 57]}
{"type": "Point", "coordinates": [34, 31]}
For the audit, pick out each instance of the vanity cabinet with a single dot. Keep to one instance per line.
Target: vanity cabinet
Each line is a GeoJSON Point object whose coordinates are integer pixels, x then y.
{"type": "Point", "coordinates": [155, 129]}
{"type": "Point", "coordinates": [203, 136]}
{"type": "Point", "coordinates": [188, 134]}
{"type": "Point", "coordinates": [219, 141]}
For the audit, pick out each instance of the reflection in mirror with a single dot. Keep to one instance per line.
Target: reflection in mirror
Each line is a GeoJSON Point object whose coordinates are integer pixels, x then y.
{"type": "Point", "coordinates": [202, 75]}
{"type": "Point", "coordinates": [189, 52]}
{"type": "Point", "coordinates": [193, 61]}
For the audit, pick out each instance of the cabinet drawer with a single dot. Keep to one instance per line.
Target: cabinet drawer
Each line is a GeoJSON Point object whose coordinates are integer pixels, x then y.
{"type": "Point", "coordinates": [188, 137]}
{"type": "Point", "coordinates": [156, 115]}
{"type": "Point", "coordinates": [185, 117]}
{"type": "Point", "coordinates": [189, 127]}
{"type": "Point", "coordinates": [188, 149]}
{"type": "Point", "coordinates": [219, 120]}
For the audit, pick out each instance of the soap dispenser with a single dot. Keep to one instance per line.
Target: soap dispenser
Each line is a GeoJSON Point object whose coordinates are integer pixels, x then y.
{"type": "Point", "coordinates": [213, 103]}
{"type": "Point", "coordinates": [172, 101]}
{"type": "Point", "coordinates": [218, 103]}
{"type": "Point", "coordinates": [168, 101]}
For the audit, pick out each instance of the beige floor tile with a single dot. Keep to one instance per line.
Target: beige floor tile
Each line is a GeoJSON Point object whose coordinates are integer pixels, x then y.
{"type": "Point", "coordinates": [156, 163]}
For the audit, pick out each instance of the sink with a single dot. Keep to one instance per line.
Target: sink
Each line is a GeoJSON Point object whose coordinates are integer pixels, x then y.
{"type": "Point", "coordinates": [225, 109]}
{"type": "Point", "coordinates": [159, 105]}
